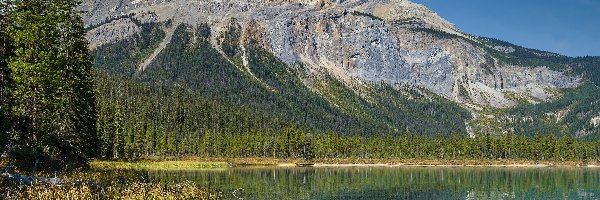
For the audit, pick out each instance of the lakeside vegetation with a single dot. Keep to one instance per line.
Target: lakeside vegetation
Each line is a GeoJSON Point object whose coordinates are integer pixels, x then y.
{"type": "Point", "coordinates": [135, 190]}
{"type": "Point", "coordinates": [260, 182]}
{"type": "Point", "coordinates": [103, 183]}
{"type": "Point", "coordinates": [162, 165]}
{"type": "Point", "coordinates": [155, 178]}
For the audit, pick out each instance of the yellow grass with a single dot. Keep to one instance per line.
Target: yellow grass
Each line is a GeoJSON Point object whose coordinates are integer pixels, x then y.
{"type": "Point", "coordinates": [217, 163]}
{"type": "Point", "coordinates": [186, 190]}
{"type": "Point", "coordinates": [157, 165]}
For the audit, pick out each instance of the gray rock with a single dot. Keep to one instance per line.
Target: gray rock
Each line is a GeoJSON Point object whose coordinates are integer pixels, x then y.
{"type": "Point", "coordinates": [364, 41]}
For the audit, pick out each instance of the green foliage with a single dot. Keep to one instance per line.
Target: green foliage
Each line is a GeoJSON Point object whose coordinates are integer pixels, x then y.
{"type": "Point", "coordinates": [419, 112]}
{"type": "Point", "coordinates": [352, 104]}
{"type": "Point", "coordinates": [436, 33]}
{"type": "Point", "coordinates": [140, 119]}
{"type": "Point", "coordinates": [201, 68]}
{"type": "Point", "coordinates": [569, 115]}
{"type": "Point", "coordinates": [396, 110]}
{"type": "Point", "coordinates": [5, 80]}
{"type": "Point", "coordinates": [124, 57]}
{"type": "Point", "coordinates": [203, 32]}
{"type": "Point", "coordinates": [53, 109]}
{"type": "Point", "coordinates": [291, 142]}
{"type": "Point", "coordinates": [300, 103]}
{"type": "Point", "coordinates": [369, 15]}
{"type": "Point", "coordinates": [407, 22]}
{"type": "Point", "coordinates": [588, 66]}
{"type": "Point", "coordinates": [230, 39]}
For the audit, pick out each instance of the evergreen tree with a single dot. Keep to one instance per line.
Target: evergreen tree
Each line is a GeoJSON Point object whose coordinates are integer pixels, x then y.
{"type": "Point", "coordinates": [54, 102]}
{"type": "Point", "coordinates": [4, 79]}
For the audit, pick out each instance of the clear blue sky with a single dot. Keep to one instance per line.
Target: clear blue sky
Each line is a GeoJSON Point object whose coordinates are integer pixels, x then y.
{"type": "Point", "coordinates": [568, 27]}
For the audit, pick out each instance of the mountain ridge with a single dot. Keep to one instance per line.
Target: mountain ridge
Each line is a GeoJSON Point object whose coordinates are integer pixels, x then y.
{"type": "Point", "coordinates": [357, 43]}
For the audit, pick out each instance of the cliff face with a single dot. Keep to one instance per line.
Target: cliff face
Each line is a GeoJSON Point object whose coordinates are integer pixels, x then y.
{"type": "Point", "coordinates": [357, 41]}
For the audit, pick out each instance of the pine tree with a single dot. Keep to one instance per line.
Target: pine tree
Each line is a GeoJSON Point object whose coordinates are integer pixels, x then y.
{"type": "Point", "coordinates": [54, 96]}
{"type": "Point", "coordinates": [5, 83]}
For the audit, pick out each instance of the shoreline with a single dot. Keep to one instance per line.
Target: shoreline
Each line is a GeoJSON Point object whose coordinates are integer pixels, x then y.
{"type": "Point", "coordinates": [195, 163]}
{"type": "Point", "coordinates": [322, 165]}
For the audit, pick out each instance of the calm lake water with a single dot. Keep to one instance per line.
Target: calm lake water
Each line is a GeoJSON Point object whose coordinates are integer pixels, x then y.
{"type": "Point", "coordinates": [396, 182]}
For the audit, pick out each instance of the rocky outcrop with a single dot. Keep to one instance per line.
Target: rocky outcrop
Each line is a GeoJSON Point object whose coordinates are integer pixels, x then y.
{"type": "Point", "coordinates": [7, 173]}
{"type": "Point", "coordinates": [595, 122]}
{"type": "Point", "coordinates": [390, 41]}
{"type": "Point", "coordinates": [111, 32]}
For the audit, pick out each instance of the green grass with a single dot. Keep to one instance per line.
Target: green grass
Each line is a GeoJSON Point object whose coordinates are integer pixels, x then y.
{"type": "Point", "coordinates": [158, 165]}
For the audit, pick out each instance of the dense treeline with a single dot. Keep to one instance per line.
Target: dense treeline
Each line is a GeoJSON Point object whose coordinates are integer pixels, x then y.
{"type": "Point", "coordinates": [47, 85]}
{"type": "Point", "coordinates": [140, 119]}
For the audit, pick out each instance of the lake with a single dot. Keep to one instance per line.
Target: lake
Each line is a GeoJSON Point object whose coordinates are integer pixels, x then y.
{"type": "Point", "coordinates": [394, 182]}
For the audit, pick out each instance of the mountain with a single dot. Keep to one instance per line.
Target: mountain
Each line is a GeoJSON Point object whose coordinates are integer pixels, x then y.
{"type": "Point", "coordinates": [344, 66]}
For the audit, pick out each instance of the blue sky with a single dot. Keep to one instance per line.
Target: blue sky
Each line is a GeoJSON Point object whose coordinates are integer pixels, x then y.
{"type": "Point", "coordinates": [568, 27]}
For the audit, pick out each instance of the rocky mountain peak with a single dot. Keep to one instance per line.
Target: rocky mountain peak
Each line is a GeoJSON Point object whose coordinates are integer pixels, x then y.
{"type": "Point", "coordinates": [397, 42]}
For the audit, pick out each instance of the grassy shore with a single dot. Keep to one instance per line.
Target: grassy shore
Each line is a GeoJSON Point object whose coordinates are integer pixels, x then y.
{"type": "Point", "coordinates": [158, 165]}
{"type": "Point", "coordinates": [111, 180]}
{"type": "Point", "coordinates": [109, 176]}
{"type": "Point", "coordinates": [196, 163]}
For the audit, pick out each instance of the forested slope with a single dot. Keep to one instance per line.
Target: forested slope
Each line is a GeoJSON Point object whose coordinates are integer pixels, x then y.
{"type": "Point", "coordinates": [193, 89]}
{"type": "Point", "coordinates": [269, 86]}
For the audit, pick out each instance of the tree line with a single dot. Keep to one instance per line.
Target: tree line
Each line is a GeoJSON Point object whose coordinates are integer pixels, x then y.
{"type": "Point", "coordinates": [137, 120]}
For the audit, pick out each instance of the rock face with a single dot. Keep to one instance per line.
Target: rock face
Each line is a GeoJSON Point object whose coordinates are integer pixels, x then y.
{"type": "Point", "coordinates": [358, 41]}
{"type": "Point", "coordinates": [595, 122]}
{"type": "Point", "coordinates": [112, 32]}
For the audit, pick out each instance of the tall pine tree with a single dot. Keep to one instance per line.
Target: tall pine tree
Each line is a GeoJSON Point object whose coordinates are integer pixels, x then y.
{"type": "Point", "coordinates": [5, 83]}
{"type": "Point", "coordinates": [54, 102]}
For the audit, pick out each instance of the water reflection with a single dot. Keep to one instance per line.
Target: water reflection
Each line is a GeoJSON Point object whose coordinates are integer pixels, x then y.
{"type": "Point", "coordinates": [396, 183]}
